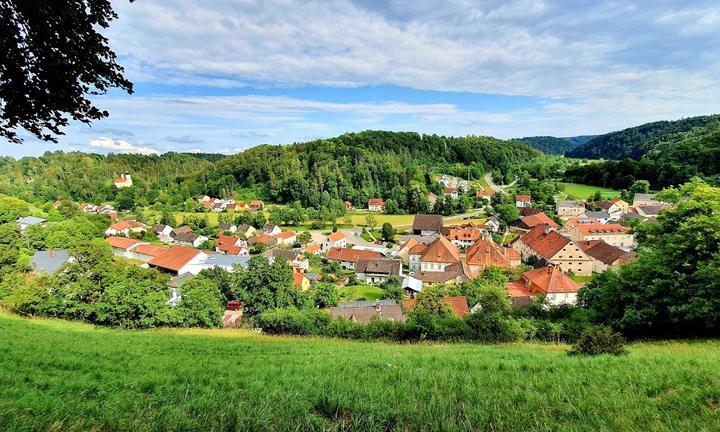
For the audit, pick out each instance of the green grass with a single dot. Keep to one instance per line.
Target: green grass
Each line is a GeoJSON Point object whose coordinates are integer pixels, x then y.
{"type": "Point", "coordinates": [358, 218]}
{"type": "Point", "coordinates": [62, 376]}
{"type": "Point", "coordinates": [580, 191]}
{"type": "Point", "coordinates": [581, 279]}
{"type": "Point", "coordinates": [356, 292]}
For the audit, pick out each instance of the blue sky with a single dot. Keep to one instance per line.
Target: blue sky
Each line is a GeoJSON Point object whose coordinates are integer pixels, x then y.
{"type": "Point", "coordinates": [226, 75]}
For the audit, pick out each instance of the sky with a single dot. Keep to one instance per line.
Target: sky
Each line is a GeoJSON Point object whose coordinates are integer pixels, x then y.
{"type": "Point", "coordinates": [226, 75]}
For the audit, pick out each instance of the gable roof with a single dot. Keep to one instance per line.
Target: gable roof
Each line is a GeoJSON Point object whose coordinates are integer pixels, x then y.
{"type": "Point", "coordinates": [122, 242]}
{"type": "Point", "coordinates": [338, 235]}
{"type": "Point", "coordinates": [538, 219]}
{"type": "Point", "coordinates": [546, 280]}
{"type": "Point", "coordinates": [181, 230]}
{"type": "Point", "coordinates": [351, 255]}
{"type": "Point", "coordinates": [226, 241]}
{"type": "Point", "coordinates": [49, 261]}
{"type": "Point", "coordinates": [363, 314]}
{"type": "Point", "coordinates": [285, 235]}
{"type": "Point", "coordinates": [602, 229]}
{"type": "Point", "coordinates": [376, 201]}
{"type": "Point", "coordinates": [262, 238]}
{"type": "Point", "coordinates": [441, 251]}
{"type": "Point", "coordinates": [426, 222]}
{"type": "Point", "coordinates": [458, 304]}
{"type": "Point", "coordinates": [379, 266]}
{"type": "Point", "coordinates": [466, 233]}
{"type": "Point", "coordinates": [312, 248]}
{"type": "Point", "coordinates": [606, 253]}
{"type": "Point", "coordinates": [544, 241]}
{"type": "Point", "coordinates": [148, 249]}
{"type": "Point", "coordinates": [486, 252]}
{"type": "Point", "coordinates": [174, 258]}
{"type": "Point", "coordinates": [570, 203]}
{"type": "Point", "coordinates": [523, 198]}
{"type": "Point", "coordinates": [30, 220]}
{"type": "Point", "coordinates": [127, 224]}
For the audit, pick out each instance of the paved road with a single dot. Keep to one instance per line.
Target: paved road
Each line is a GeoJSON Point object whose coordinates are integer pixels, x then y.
{"type": "Point", "coordinates": [496, 188]}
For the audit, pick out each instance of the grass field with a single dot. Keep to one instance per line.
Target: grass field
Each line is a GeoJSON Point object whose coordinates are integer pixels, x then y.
{"type": "Point", "coordinates": [356, 292]}
{"type": "Point", "coordinates": [358, 218]}
{"type": "Point", "coordinates": [580, 191]}
{"type": "Point", "coordinates": [62, 376]}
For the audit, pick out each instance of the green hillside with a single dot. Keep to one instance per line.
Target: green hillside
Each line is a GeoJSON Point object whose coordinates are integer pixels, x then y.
{"type": "Point", "coordinates": [62, 376]}
{"type": "Point", "coordinates": [554, 145]}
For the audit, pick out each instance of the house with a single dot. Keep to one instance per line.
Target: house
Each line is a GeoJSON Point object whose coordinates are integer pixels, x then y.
{"type": "Point", "coordinates": [126, 228]}
{"type": "Point", "coordinates": [231, 245]}
{"type": "Point", "coordinates": [245, 230]}
{"type": "Point", "coordinates": [163, 232]}
{"type": "Point", "coordinates": [376, 271]}
{"type": "Point", "coordinates": [597, 216]}
{"type": "Point", "coordinates": [348, 258]}
{"type": "Point", "coordinates": [271, 230]}
{"type": "Point", "coordinates": [486, 253]}
{"type": "Point", "coordinates": [492, 224]}
{"type": "Point", "coordinates": [263, 239]}
{"type": "Point", "coordinates": [123, 246]}
{"type": "Point", "coordinates": [49, 261]}
{"type": "Point", "coordinates": [452, 274]}
{"type": "Point", "coordinates": [523, 201]}
{"type": "Point", "coordinates": [334, 240]}
{"type": "Point", "coordinates": [462, 236]}
{"type": "Point", "coordinates": [569, 208]}
{"type": "Point", "coordinates": [178, 260]}
{"type": "Point", "coordinates": [190, 239]}
{"type": "Point", "coordinates": [485, 194]}
{"type": "Point", "coordinates": [557, 287]}
{"type": "Point", "coordinates": [613, 234]}
{"type": "Point", "coordinates": [606, 256]}
{"type": "Point", "coordinates": [313, 249]}
{"type": "Point", "coordinates": [294, 259]}
{"type": "Point", "coordinates": [256, 205]}
{"type": "Point", "coordinates": [300, 281]}
{"type": "Point", "coordinates": [527, 223]}
{"type": "Point", "coordinates": [286, 238]}
{"type": "Point", "coordinates": [543, 242]}
{"type": "Point", "coordinates": [363, 314]}
{"type": "Point", "coordinates": [615, 207]}
{"type": "Point", "coordinates": [123, 181]}
{"type": "Point", "coordinates": [411, 285]}
{"type": "Point", "coordinates": [457, 304]}
{"type": "Point", "coordinates": [376, 205]}
{"type": "Point", "coordinates": [642, 199]}
{"type": "Point", "coordinates": [348, 207]}
{"type": "Point", "coordinates": [228, 263]}
{"type": "Point", "coordinates": [452, 192]}
{"type": "Point", "coordinates": [218, 207]}
{"type": "Point", "coordinates": [427, 225]}
{"type": "Point", "coordinates": [434, 257]}
{"type": "Point", "coordinates": [27, 221]}
{"type": "Point", "coordinates": [227, 227]}
{"type": "Point", "coordinates": [651, 211]}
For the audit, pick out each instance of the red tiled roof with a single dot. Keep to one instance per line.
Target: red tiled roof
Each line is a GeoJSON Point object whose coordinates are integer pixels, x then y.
{"type": "Point", "coordinates": [523, 198]}
{"type": "Point", "coordinates": [605, 253]}
{"type": "Point", "coordinates": [376, 202]}
{"type": "Point", "coordinates": [602, 229]}
{"type": "Point", "coordinates": [256, 203]}
{"type": "Point", "coordinates": [538, 219]}
{"type": "Point", "coordinates": [338, 235]}
{"type": "Point", "coordinates": [285, 235]}
{"type": "Point", "coordinates": [462, 233]}
{"type": "Point", "coordinates": [351, 255]}
{"type": "Point", "coordinates": [417, 249]}
{"type": "Point", "coordinates": [544, 280]}
{"type": "Point", "coordinates": [458, 304]}
{"type": "Point", "coordinates": [262, 238]}
{"type": "Point", "coordinates": [174, 258]}
{"type": "Point", "coordinates": [122, 242]}
{"type": "Point", "coordinates": [487, 253]}
{"type": "Point", "coordinates": [151, 250]}
{"type": "Point", "coordinates": [441, 251]}
{"type": "Point", "coordinates": [122, 225]}
{"type": "Point", "coordinates": [547, 243]}
{"type": "Point", "coordinates": [485, 193]}
{"type": "Point", "coordinates": [298, 279]}
{"type": "Point", "coordinates": [226, 241]}
{"type": "Point", "coordinates": [312, 248]}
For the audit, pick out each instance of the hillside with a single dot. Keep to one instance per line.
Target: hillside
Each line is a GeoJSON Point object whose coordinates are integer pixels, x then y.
{"type": "Point", "coordinates": [637, 141]}
{"type": "Point", "coordinates": [554, 145]}
{"type": "Point", "coordinates": [99, 379]}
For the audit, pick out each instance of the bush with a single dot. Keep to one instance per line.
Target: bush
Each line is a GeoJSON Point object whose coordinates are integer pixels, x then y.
{"type": "Point", "coordinates": [495, 327]}
{"type": "Point", "coordinates": [599, 340]}
{"type": "Point", "coordinates": [294, 321]}
{"type": "Point", "coordinates": [344, 329]}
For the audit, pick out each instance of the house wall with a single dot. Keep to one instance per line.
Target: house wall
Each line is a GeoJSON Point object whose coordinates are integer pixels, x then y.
{"type": "Point", "coordinates": [572, 259]}
{"type": "Point", "coordinates": [433, 266]}
{"type": "Point", "coordinates": [619, 240]}
{"type": "Point", "coordinates": [570, 211]}
{"type": "Point", "coordinates": [414, 262]}
{"type": "Point", "coordinates": [557, 299]}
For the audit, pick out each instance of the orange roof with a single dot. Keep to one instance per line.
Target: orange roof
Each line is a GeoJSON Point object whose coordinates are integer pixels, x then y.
{"type": "Point", "coordinates": [226, 241]}
{"type": "Point", "coordinates": [538, 219]}
{"type": "Point", "coordinates": [151, 250]}
{"type": "Point", "coordinates": [174, 258]}
{"type": "Point", "coordinates": [487, 253]}
{"type": "Point", "coordinates": [485, 193]}
{"type": "Point", "coordinates": [409, 244]}
{"type": "Point", "coordinates": [523, 198]}
{"type": "Point", "coordinates": [122, 225]}
{"type": "Point", "coordinates": [441, 251]}
{"type": "Point", "coordinates": [546, 242]}
{"type": "Point", "coordinates": [462, 233]}
{"type": "Point", "coordinates": [312, 248]}
{"type": "Point", "coordinates": [602, 229]}
{"type": "Point", "coordinates": [351, 255]}
{"type": "Point", "coordinates": [338, 235]}
{"type": "Point", "coordinates": [418, 249]}
{"type": "Point", "coordinates": [285, 235]}
{"type": "Point", "coordinates": [458, 304]}
{"type": "Point", "coordinates": [298, 279]}
{"type": "Point", "coordinates": [122, 242]}
{"type": "Point", "coordinates": [615, 200]}
{"type": "Point", "coordinates": [256, 203]}
{"type": "Point", "coordinates": [544, 280]}
{"type": "Point", "coordinates": [262, 238]}
{"type": "Point", "coordinates": [376, 201]}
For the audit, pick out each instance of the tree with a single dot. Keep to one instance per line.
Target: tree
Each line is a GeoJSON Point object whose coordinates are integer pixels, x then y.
{"type": "Point", "coordinates": [54, 56]}
{"type": "Point", "coordinates": [325, 295]}
{"type": "Point", "coordinates": [370, 221]}
{"type": "Point", "coordinates": [202, 303]}
{"type": "Point", "coordinates": [304, 237]}
{"type": "Point", "coordinates": [388, 232]}
{"type": "Point", "coordinates": [391, 206]}
{"type": "Point", "coordinates": [507, 213]}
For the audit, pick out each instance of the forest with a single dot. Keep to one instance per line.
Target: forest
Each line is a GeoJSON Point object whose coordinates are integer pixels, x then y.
{"type": "Point", "coordinates": [553, 145]}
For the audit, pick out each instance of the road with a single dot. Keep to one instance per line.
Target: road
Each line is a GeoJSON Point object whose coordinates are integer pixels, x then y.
{"type": "Point", "coordinates": [496, 188]}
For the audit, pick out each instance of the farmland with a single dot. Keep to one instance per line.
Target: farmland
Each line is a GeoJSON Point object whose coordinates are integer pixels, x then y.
{"type": "Point", "coordinates": [581, 191]}
{"type": "Point", "coordinates": [93, 378]}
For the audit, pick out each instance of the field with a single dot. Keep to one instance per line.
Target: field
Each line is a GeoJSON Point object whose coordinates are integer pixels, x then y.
{"type": "Point", "coordinates": [398, 221]}
{"type": "Point", "coordinates": [581, 191]}
{"type": "Point", "coordinates": [357, 292]}
{"type": "Point", "coordinates": [62, 376]}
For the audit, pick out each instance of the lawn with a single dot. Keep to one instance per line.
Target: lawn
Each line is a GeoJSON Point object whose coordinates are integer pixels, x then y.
{"type": "Point", "coordinates": [580, 191]}
{"type": "Point", "coordinates": [360, 292]}
{"type": "Point", "coordinates": [62, 376]}
{"type": "Point", "coordinates": [359, 218]}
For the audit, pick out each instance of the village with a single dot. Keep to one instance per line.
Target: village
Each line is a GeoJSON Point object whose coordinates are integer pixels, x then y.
{"type": "Point", "coordinates": [556, 252]}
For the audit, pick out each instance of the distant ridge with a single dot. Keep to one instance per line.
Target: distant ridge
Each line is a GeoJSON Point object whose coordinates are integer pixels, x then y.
{"type": "Point", "coordinates": [555, 145]}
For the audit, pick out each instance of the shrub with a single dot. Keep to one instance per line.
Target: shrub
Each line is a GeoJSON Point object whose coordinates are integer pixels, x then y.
{"type": "Point", "coordinates": [344, 329]}
{"type": "Point", "coordinates": [599, 340]}
{"type": "Point", "coordinates": [294, 321]}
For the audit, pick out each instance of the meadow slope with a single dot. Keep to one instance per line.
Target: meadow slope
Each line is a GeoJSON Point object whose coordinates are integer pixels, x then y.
{"type": "Point", "coordinates": [56, 375]}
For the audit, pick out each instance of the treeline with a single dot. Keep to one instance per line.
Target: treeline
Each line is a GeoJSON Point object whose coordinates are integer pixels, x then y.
{"type": "Point", "coordinates": [553, 145]}
{"type": "Point", "coordinates": [359, 166]}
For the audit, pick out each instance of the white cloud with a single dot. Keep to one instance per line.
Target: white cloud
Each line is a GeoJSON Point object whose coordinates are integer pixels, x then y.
{"type": "Point", "coordinates": [120, 146]}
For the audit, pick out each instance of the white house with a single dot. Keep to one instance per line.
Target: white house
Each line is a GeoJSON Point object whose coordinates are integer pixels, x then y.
{"type": "Point", "coordinates": [27, 221]}
{"type": "Point", "coordinates": [334, 240]}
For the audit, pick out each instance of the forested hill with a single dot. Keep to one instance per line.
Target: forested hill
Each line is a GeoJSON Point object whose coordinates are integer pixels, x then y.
{"type": "Point", "coordinates": [637, 141]}
{"type": "Point", "coordinates": [357, 166]}
{"type": "Point", "coordinates": [554, 145]}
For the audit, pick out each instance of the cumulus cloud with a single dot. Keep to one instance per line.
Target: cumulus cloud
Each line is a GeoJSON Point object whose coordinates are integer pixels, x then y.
{"type": "Point", "coordinates": [119, 146]}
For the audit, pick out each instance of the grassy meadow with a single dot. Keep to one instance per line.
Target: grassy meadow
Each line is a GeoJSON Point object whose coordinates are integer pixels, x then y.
{"type": "Point", "coordinates": [580, 191]}
{"type": "Point", "coordinates": [63, 376]}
